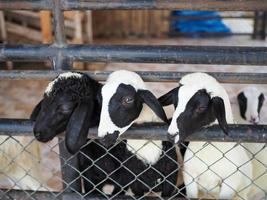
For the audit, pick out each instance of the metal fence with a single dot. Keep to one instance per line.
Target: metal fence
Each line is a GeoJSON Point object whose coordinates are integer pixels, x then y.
{"type": "Point", "coordinates": [62, 56]}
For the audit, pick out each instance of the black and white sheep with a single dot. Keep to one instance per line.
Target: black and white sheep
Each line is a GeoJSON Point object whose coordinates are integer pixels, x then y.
{"type": "Point", "coordinates": [126, 100]}
{"type": "Point", "coordinates": [250, 102]}
{"type": "Point", "coordinates": [219, 170]}
{"type": "Point", "coordinates": [71, 103]}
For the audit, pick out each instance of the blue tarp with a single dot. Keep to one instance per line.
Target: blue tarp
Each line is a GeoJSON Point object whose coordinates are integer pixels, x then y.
{"type": "Point", "coordinates": [198, 26]}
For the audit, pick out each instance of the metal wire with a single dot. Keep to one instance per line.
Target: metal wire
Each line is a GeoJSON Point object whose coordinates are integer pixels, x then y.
{"type": "Point", "coordinates": [62, 55]}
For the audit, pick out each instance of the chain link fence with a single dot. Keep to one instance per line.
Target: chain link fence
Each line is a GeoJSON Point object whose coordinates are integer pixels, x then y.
{"type": "Point", "coordinates": [31, 170]}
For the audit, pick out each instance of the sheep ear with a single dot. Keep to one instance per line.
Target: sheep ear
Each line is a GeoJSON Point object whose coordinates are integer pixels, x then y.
{"type": "Point", "coordinates": [78, 126]}
{"type": "Point", "coordinates": [36, 111]}
{"type": "Point", "coordinates": [261, 101]}
{"type": "Point", "coordinates": [170, 98]}
{"type": "Point", "coordinates": [218, 109]}
{"type": "Point", "coordinates": [149, 99]}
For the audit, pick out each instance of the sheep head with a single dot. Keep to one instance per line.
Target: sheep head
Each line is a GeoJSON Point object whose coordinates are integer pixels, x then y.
{"type": "Point", "coordinates": [199, 101]}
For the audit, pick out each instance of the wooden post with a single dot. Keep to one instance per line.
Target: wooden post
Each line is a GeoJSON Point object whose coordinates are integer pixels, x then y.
{"type": "Point", "coordinates": [89, 26]}
{"type": "Point", "coordinates": [46, 26]}
{"type": "Point", "coordinates": [2, 26]}
{"type": "Point", "coordinates": [9, 64]}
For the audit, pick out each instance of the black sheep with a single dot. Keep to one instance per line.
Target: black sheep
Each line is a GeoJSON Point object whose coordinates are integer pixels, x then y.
{"type": "Point", "coordinates": [71, 103]}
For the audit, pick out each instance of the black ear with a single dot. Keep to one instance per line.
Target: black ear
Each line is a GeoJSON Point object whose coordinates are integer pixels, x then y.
{"type": "Point", "coordinates": [170, 98]}
{"type": "Point", "coordinates": [36, 111]}
{"type": "Point", "coordinates": [261, 100]}
{"type": "Point", "coordinates": [149, 99]}
{"type": "Point", "coordinates": [242, 103]}
{"type": "Point", "coordinates": [99, 96]}
{"type": "Point", "coordinates": [78, 126]}
{"type": "Point", "coordinates": [218, 109]}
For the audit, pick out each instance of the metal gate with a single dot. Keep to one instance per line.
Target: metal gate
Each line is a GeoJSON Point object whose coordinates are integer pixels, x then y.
{"type": "Point", "coordinates": [62, 55]}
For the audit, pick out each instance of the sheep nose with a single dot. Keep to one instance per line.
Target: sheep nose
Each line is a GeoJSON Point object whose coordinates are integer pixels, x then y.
{"type": "Point", "coordinates": [37, 135]}
{"type": "Point", "coordinates": [254, 120]}
{"type": "Point", "coordinates": [174, 138]}
{"type": "Point", "coordinates": [110, 139]}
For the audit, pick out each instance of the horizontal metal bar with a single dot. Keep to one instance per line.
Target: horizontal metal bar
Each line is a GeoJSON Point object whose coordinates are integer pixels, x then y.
{"type": "Point", "coordinates": [148, 76]}
{"type": "Point", "coordinates": [238, 133]}
{"type": "Point", "coordinates": [246, 5]}
{"type": "Point", "coordinates": [26, 4]}
{"type": "Point", "coordinates": [140, 53]}
{"type": "Point", "coordinates": [40, 195]}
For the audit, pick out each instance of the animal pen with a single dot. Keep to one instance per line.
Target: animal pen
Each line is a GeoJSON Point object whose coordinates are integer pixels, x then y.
{"type": "Point", "coordinates": [62, 56]}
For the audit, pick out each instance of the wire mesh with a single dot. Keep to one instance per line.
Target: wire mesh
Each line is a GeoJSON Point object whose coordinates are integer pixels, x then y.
{"type": "Point", "coordinates": [29, 167]}
{"type": "Point", "coordinates": [125, 170]}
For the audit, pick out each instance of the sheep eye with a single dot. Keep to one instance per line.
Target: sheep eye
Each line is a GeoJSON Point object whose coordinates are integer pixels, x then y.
{"type": "Point", "coordinates": [66, 108]}
{"type": "Point", "coordinates": [201, 109]}
{"type": "Point", "coordinates": [127, 100]}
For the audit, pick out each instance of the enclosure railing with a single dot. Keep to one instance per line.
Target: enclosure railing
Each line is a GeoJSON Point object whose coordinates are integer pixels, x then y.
{"type": "Point", "coordinates": [62, 56]}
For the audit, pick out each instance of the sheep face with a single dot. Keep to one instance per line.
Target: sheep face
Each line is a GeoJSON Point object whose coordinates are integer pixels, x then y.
{"type": "Point", "coordinates": [53, 117]}
{"type": "Point", "coordinates": [196, 107]}
{"type": "Point", "coordinates": [69, 104]}
{"type": "Point", "coordinates": [122, 104]}
{"type": "Point", "coordinates": [250, 101]}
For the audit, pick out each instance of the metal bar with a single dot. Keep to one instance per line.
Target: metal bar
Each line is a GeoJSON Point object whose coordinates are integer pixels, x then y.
{"type": "Point", "coordinates": [69, 169]}
{"type": "Point", "coordinates": [148, 76]}
{"type": "Point", "coordinates": [155, 131]}
{"type": "Point", "coordinates": [140, 53]}
{"type": "Point", "coordinates": [264, 26]}
{"type": "Point", "coordinates": [25, 4]}
{"type": "Point", "coordinates": [59, 61]}
{"type": "Point", "coordinates": [19, 195]}
{"type": "Point", "coordinates": [59, 31]}
{"type": "Point", "coordinates": [246, 5]}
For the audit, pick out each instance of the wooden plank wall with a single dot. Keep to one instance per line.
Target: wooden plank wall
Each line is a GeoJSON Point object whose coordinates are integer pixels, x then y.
{"type": "Point", "coordinates": [124, 23]}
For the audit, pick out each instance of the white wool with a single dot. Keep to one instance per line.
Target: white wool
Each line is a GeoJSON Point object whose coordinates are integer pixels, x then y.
{"type": "Point", "coordinates": [65, 75]}
{"type": "Point", "coordinates": [108, 189]}
{"type": "Point", "coordinates": [127, 77]}
{"type": "Point", "coordinates": [259, 162]}
{"type": "Point", "coordinates": [211, 166]}
{"type": "Point", "coordinates": [226, 161]}
{"type": "Point", "coordinates": [147, 151]}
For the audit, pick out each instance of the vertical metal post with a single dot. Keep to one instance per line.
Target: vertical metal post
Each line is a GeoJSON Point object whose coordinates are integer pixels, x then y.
{"type": "Point", "coordinates": [264, 25]}
{"type": "Point", "coordinates": [69, 163]}
{"type": "Point", "coordinates": [59, 61]}
{"type": "Point", "coordinates": [259, 29]}
{"type": "Point", "coordinates": [69, 169]}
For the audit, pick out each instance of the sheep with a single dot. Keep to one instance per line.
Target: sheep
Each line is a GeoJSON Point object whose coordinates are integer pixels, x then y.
{"type": "Point", "coordinates": [250, 101]}
{"type": "Point", "coordinates": [20, 167]}
{"type": "Point", "coordinates": [220, 169]}
{"type": "Point", "coordinates": [126, 100]}
{"type": "Point", "coordinates": [71, 102]}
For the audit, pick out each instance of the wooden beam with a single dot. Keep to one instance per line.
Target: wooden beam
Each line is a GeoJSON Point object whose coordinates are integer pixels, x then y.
{"type": "Point", "coordinates": [46, 26]}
